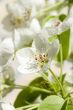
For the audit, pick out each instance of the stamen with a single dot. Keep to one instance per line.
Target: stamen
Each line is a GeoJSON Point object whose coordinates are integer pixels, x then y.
{"type": "Point", "coordinates": [41, 59]}
{"type": "Point", "coordinates": [57, 23]}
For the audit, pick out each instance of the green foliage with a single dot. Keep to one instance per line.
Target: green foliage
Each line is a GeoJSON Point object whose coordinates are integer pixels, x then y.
{"type": "Point", "coordinates": [64, 40]}
{"type": "Point", "coordinates": [62, 17]}
{"type": "Point", "coordinates": [51, 39]}
{"type": "Point", "coordinates": [70, 1]}
{"type": "Point", "coordinates": [29, 95]}
{"type": "Point", "coordinates": [52, 102]}
{"type": "Point", "coordinates": [25, 97]}
{"type": "Point", "coordinates": [69, 107]}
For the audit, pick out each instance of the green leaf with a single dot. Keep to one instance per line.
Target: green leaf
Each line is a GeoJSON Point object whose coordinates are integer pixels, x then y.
{"type": "Point", "coordinates": [69, 107]}
{"type": "Point", "coordinates": [64, 40]}
{"type": "Point", "coordinates": [29, 95]}
{"type": "Point", "coordinates": [70, 2]}
{"type": "Point", "coordinates": [62, 17]}
{"type": "Point", "coordinates": [25, 97]}
{"type": "Point", "coordinates": [51, 39]}
{"type": "Point", "coordinates": [64, 107]}
{"type": "Point", "coordinates": [71, 56]}
{"type": "Point", "coordinates": [52, 102]}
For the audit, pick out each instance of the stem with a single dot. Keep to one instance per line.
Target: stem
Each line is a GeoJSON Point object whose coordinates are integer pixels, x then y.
{"type": "Point", "coordinates": [58, 82]}
{"type": "Point", "coordinates": [47, 79]}
{"type": "Point", "coordinates": [28, 107]}
{"type": "Point", "coordinates": [61, 61]}
{"type": "Point", "coordinates": [48, 9]}
{"type": "Point", "coordinates": [34, 107]}
{"type": "Point", "coordinates": [32, 87]}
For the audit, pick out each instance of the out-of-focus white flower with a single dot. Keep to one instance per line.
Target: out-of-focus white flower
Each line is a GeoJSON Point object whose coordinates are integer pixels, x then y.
{"type": "Point", "coordinates": [37, 58]}
{"type": "Point", "coordinates": [18, 16]}
{"type": "Point", "coordinates": [4, 33]}
{"type": "Point", "coordinates": [8, 74]}
{"type": "Point", "coordinates": [34, 3]}
{"type": "Point", "coordinates": [7, 45]}
{"type": "Point", "coordinates": [68, 69]}
{"type": "Point", "coordinates": [55, 26]}
{"type": "Point", "coordinates": [23, 37]}
{"type": "Point", "coordinates": [6, 106]}
{"type": "Point", "coordinates": [35, 25]}
{"type": "Point", "coordinates": [6, 50]}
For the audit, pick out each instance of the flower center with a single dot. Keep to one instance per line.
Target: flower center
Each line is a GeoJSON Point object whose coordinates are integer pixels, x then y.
{"type": "Point", "coordinates": [17, 21]}
{"type": "Point", "coordinates": [21, 20]}
{"type": "Point", "coordinates": [56, 24]}
{"type": "Point", "coordinates": [41, 59]}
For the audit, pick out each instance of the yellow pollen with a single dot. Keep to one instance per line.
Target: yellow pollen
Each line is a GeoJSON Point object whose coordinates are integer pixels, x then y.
{"type": "Point", "coordinates": [57, 23]}
{"type": "Point", "coordinates": [41, 59]}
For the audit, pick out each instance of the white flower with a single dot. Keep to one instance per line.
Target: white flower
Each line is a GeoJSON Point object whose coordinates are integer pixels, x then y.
{"type": "Point", "coordinates": [6, 106]}
{"type": "Point", "coordinates": [20, 38]}
{"type": "Point", "coordinates": [18, 16]}
{"type": "Point", "coordinates": [6, 50]}
{"type": "Point", "coordinates": [8, 74]}
{"type": "Point", "coordinates": [33, 3]}
{"type": "Point", "coordinates": [23, 37]}
{"type": "Point", "coordinates": [55, 26]}
{"type": "Point", "coordinates": [35, 25]}
{"type": "Point", "coordinates": [37, 58]}
{"type": "Point", "coordinates": [3, 33]}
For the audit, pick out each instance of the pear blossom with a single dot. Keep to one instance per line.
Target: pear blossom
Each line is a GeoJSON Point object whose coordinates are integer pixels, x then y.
{"type": "Point", "coordinates": [6, 106]}
{"type": "Point", "coordinates": [6, 50]}
{"type": "Point", "coordinates": [8, 74]}
{"type": "Point", "coordinates": [20, 38]}
{"type": "Point", "coordinates": [56, 27]}
{"type": "Point", "coordinates": [18, 16]}
{"type": "Point", "coordinates": [4, 33]}
{"type": "Point", "coordinates": [35, 26]}
{"type": "Point", "coordinates": [36, 6]}
{"type": "Point", "coordinates": [37, 58]}
{"type": "Point", "coordinates": [34, 3]}
{"type": "Point", "coordinates": [24, 36]}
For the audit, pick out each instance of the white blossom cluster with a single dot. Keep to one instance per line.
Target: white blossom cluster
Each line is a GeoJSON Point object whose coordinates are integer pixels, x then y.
{"type": "Point", "coordinates": [24, 45]}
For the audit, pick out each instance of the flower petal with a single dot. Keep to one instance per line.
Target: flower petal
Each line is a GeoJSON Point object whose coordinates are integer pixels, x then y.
{"type": "Point", "coordinates": [7, 45]}
{"type": "Point", "coordinates": [53, 49]}
{"type": "Point", "coordinates": [41, 41]}
{"type": "Point", "coordinates": [24, 69]}
{"type": "Point", "coordinates": [65, 25]}
{"type": "Point", "coordinates": [23, 37]}
{"type": "Point", "coordinates": [52, 26]}
{"type": "Point", "coordinates": [6, 106]}
{"type": "Point", "coordinates": [35, 26]}
{"type": "Point", "coordinates": [26, 59]}
{"type": "Point", "coordinates": [4, 57]}
{"type": "Point", "coordinates": [6, 50]}
{"type": "Point", "coordinates": [15, 9]}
